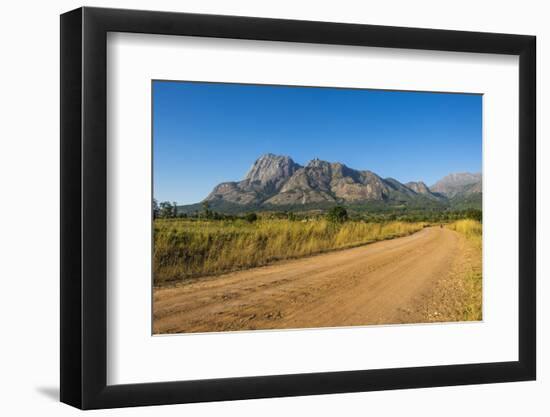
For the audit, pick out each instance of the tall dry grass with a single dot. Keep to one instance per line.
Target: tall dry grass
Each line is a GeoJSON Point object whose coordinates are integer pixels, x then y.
{"type": "Point", "coordinates": [472, 229]}
{"type": "Point", "coordinates": [190, 248]}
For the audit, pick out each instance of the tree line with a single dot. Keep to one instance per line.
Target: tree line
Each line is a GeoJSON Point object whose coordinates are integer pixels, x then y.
{"type": "Point", "coordinates": [337, 214]}
{"type": "Point", "coordinates": [169, 210]}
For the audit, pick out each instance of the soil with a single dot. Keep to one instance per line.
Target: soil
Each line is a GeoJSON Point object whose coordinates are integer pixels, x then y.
{"type": "Point", "coordinates": [387, 282]}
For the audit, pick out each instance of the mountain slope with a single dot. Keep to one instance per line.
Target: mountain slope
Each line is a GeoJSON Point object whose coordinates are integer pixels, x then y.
{"type": "Point", "coordinates": [463, 190]}
{"type": "Point", "coordinates": [277, 182]}
{"type": "Point", "coordinates": [265, 177]}
{"type": "Point", "coordinates": [459, 183]}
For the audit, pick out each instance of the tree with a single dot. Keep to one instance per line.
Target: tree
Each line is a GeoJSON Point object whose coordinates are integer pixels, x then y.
{"type": "Point", "coordinates": [206, 210]}
{"type": "Point", "coordinates": [156, 209]}
{"type": "Point", "coordinates": [251, 217]}
{"type": "Point", "coordinates": [174, 209]}
{"type": "Point", "coordinates": [337, 214]}
{"type": "Point", "coordinates": [474, 214]}
{"type": "Point", "coordinates": [166, 210]}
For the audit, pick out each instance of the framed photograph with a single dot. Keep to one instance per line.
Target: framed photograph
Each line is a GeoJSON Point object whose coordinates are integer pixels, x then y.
{"type": "Point", "coordinates": [260, 208]}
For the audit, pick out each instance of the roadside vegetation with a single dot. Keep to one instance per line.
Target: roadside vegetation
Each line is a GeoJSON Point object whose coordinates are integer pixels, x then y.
{"type": "Point", "coordinates": [380, 214]}
{"type": "Point", "coordinates": [193, 247]}
{"type": "Point", "coordinates": [472, 304]}
{"type": "Point", "coordinates": [205, 242]}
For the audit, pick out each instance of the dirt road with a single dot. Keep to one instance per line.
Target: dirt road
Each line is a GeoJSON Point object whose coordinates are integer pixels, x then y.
{"type": "Point", "coordinates": [384, 282]}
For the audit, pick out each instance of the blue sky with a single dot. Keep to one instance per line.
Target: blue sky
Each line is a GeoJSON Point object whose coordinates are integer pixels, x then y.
{"type": "Point", "coordinates": [207, 133]}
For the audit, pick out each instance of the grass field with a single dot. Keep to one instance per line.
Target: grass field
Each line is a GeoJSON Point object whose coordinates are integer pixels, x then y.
{"type": "Point", "coordinates": [186, 248]}
{"type": "Point", "coordinates": [472, 229]}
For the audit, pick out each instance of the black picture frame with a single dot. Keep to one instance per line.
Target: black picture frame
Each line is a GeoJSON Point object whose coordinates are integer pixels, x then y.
{"type": "Point", "coordinates": [84, 207]}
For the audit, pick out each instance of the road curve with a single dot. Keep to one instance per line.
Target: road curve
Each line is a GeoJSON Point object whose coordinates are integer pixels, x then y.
{"type": "Point", "coordinates": [380, 283]}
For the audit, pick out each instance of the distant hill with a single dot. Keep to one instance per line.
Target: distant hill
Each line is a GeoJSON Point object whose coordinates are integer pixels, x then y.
{"type": "Point", "coordinates": [464, 190]}
{"type": "Point", "coordinates": [276, 182]}
{"type": "Point", "coordinates": [454, 184]}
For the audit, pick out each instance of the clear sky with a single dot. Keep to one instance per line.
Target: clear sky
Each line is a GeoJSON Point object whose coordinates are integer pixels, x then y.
{"type": "Point", "coordinates": [207, 133]}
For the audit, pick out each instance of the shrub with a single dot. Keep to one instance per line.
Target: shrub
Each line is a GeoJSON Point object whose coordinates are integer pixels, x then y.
{"type": "Point", "coordinates": [337, 214]}
{"type": "Point", "coordinates": [251, 217]}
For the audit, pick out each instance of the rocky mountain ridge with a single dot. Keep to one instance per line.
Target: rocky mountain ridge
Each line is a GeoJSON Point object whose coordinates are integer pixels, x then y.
{"type": "Point", "coordinates": [277, 181]}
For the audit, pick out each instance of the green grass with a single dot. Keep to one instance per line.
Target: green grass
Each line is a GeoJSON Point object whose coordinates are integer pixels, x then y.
{"type": "Point", "coordinates": [186, 249]}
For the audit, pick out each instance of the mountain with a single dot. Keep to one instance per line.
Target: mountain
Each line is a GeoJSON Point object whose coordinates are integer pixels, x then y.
{"type": "Point", "coordinates": [418, 187]}
{"type": "Point", "coordinates": [463, 190]}
{"type": "Point", "coordinates": [276, 182]}
{"type": "Point", "coordinates": [265, 178]}
{"type": "Point", "coordinates": [460, 183]}
{"type": "Point", "coordinates": [322, 181]}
